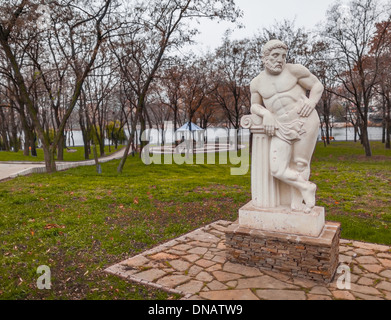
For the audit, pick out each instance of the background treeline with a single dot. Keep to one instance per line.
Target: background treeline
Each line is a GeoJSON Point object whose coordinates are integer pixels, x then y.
{"type": "Point", "coordinates": [112, 68]}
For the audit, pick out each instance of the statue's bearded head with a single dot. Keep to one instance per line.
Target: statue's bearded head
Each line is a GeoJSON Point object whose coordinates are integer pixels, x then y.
{"type": "Point", "coordinates": [274, 55]}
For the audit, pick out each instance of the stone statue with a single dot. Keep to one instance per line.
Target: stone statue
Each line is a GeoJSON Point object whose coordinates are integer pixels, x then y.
{"type": "Point", "coordinates": [285, 96]}
{"type": "Point", "coordinates": [281, 224]}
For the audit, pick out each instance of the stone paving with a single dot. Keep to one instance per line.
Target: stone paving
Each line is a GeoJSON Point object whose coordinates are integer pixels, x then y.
{"type": "Point", "coordinates": [195, 266]}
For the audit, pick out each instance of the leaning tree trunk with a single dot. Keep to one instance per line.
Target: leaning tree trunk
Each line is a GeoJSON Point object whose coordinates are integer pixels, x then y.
{"type": "Point", "coordinates": [60, 148]}
{"type": "Point", "coordinates": [131, 139]}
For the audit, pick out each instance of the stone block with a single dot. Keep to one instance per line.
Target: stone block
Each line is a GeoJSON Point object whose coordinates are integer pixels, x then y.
{"type": "Point", "coordinates": [313, 258]}
{"type": "Point", "coordinates": [282, 220]}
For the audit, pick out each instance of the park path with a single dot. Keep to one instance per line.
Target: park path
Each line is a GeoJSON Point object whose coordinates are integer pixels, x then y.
{"type": "Point", "coordinates": [13, 169]}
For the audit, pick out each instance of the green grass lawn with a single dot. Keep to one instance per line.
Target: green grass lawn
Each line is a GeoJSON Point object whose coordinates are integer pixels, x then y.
{"type": "Point", "coordinates": [79, 222]}
{"type": "Point", "coordinates": [355, 190]}
{"type": "Point", "coordinates": [75, 154]}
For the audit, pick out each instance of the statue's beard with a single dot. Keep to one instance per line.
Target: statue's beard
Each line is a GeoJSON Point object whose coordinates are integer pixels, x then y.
{"type": "Point", "coordinates": [275, 68]}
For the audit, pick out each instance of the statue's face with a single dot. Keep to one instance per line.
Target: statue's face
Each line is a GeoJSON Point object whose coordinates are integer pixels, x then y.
{"type": "Point", "coordinates": [275, 62]}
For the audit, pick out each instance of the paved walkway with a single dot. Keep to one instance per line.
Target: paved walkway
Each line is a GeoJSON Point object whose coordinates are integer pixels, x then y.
{"type": "Point", "coordinates": [195, 266]}
{"type": "Point", "coordinates": [10, 170]}
{"type": "Point", "coordinates": [13, 169]}
{"type": "Point", "coordinates": [207, 148]}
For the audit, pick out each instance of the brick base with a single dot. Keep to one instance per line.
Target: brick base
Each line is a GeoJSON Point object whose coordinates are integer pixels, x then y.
{"type": "Point", "coordinates": [297, 256]}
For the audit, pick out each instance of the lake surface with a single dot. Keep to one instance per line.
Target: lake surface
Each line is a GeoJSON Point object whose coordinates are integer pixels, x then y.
{"type": "Point", "coordinates": [340, 134]}
{"type": "Point", "coordinates": [343, 134]}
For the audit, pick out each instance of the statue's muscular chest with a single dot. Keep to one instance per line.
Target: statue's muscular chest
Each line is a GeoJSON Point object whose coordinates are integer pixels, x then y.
{"type": "Point", "coordinates": [270, 86]}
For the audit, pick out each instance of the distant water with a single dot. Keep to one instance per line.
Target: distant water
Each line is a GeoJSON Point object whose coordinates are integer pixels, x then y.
{"type": "Point", "coordinates": [340, 134]}
{"type": "Point", "coordinates": [343, 134]}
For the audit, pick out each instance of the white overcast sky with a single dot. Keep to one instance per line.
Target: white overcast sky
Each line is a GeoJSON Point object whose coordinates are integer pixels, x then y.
{"type": "Point", "coordinates": [264, 13]}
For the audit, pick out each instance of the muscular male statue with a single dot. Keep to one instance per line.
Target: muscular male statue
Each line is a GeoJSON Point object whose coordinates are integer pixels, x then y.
{"type": "Point", "coordinates": [280, 96]}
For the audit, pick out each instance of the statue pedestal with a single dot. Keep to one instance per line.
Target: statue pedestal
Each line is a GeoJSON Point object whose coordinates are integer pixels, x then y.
{"type": "Point", "coordinates": [282, 220]}
{"type": "Point", "coordinates": [270, 235]}
{"type": "Point", "coordinates": [296, 256]}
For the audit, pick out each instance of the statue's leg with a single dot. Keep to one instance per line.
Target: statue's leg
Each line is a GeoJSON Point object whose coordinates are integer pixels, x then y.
{"type": "Point", "coordinates": [297, 203]}
{"type": "Point", "coordinates": [297, 197]}
{"type": "Point", "coordinates": [281, 154]}
{"type": "Point", "coordinates": [303, 151]}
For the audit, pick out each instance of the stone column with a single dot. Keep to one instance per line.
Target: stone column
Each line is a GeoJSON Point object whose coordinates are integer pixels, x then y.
{"type": "Point", "coordinates": [265, 188]}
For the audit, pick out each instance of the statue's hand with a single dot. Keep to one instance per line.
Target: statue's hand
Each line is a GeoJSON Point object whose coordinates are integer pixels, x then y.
{"type": "Point", "coordinates": [269, 123]}
{"type": "Point", "coordinates": [307, 108]}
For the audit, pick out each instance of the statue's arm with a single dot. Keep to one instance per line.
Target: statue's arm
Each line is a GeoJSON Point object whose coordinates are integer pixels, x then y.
{"type": "Point", "coordinates": [311, 83]}
{"type": "Point", "coordinates": [258, 109]}
{"type": "Point", "coordinates": [257, 101]}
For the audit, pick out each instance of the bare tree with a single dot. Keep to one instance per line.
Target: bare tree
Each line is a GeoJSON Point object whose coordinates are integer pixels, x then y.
{"type": "Point", "coordinates": [296, 38]}
{"type": "Point", "coordinates": [99, 90]}
{"type": "Point", "coordinates": [234, 71]}
{"type": "Point", "coordinates": [383, 86]}
{"type": "Point", "coordinates": [321, 66]}
{"type": "Point", "coordinates": [350, 29]}
{"type": "Point", "coordinates": [196, 87]}
{"type": "Point", "coordinates": [162, 26]}
{"type": "Point", "coordinates": [170, 88]}
{"type": "Point", "coordinates": [74, 20]}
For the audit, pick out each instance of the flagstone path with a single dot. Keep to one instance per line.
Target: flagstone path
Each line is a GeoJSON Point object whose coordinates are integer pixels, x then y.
{"type": "Point", "coordinates": [195, 266]}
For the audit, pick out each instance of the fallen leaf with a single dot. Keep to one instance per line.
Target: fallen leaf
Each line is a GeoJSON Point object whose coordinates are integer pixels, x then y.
{"type": "Point", "coordinates": [53, 226]}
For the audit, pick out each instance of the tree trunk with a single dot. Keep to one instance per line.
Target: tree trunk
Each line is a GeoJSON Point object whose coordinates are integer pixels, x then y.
{"type": "Point", "coordinates": [26, 149]}
{"type": "Point", "coordinates": [26, 145]}
{"type": "Point", "coordinates": [365, 141]}
{"type": "Point", "coordinates": [32, 140]}
{"type": "Point", "coordinates": [388, 125]}
{"type": "Point", "coordinates": [175, 120]}
{"type": "Point", "coordinates": [143, 127]}
{"type": "Point", "coordinates": [4, 134]}
{"type": "Point", "coordinates": [60, 148]}
{"type": "Point", "coordinates": [24, 96]}
{"type": "Point", "coordinates": [384, 122]}
{"type": "Point", "coordinates": [384, 131]}
{"type": "Point", "coordinates": [49, 159]}
{"type": "Point", "coordinates": [84, 133]}
{"type": "Point", "coordinates": [327, 124]}
{"type": "Point", "coordinates": [29, 135]}
{"type": "Point", "coordinates": [98, 168]}
{"type": "Point", "coordinates": [388, 136]}
{"type": "Point", "coordinates": [14, 132]}
{"type": "Point", "coordinates": [102, 142]}
{"type": "Point", "coordinates": [131, 139]}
